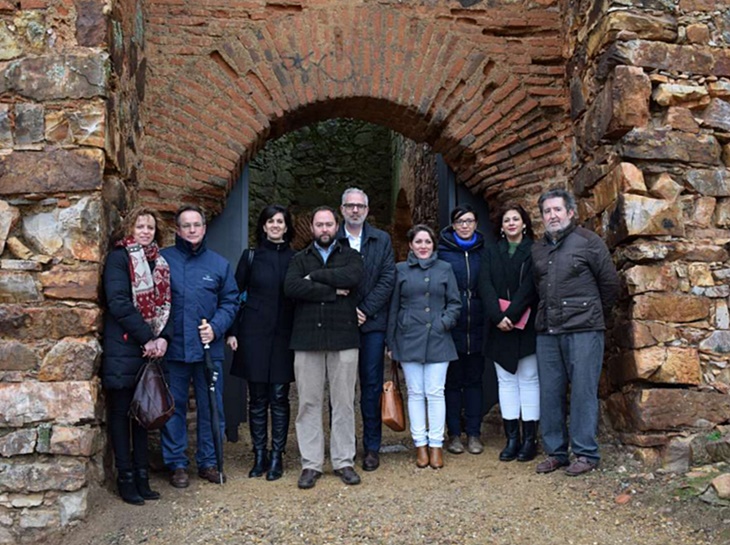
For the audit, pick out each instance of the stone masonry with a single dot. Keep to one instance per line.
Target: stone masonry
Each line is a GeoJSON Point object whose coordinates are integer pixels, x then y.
{"type": "Point", "coordinates": [110, 102]}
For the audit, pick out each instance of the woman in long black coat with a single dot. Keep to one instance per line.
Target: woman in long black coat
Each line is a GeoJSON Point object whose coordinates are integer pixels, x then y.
{"type": "Point", "coordinates": [136, 327]}
{"type": "Point", "coordinates": [261, 342]}
{"type": "Point", "coordinates": [507, 290]}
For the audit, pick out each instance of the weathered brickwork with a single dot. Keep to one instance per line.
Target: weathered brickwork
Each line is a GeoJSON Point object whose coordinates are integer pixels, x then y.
{"type": "Point", "coordinates": [484, 86]}
{"type": "Point", "coordinates": [107, 103]}
{"type": "Point", "coordinates": [649, 101]}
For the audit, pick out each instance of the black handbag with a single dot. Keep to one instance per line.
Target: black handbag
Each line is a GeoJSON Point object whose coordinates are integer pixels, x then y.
{"type": "Point", "coordinates": [152, 404]}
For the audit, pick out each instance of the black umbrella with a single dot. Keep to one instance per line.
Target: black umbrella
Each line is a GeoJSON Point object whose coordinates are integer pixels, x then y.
{"type": "Point", "coordinates": [211, 375]}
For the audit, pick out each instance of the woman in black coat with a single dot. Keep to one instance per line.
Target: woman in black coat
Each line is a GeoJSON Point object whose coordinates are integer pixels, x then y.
{"type": "Point", "coordinates": [136, 327]}
{"type": "Point", "coordinates": [507, 289]}
{"type": "Point", "coordinates": [261, 342]}
{"type": "Point", "coordinates": [462, 246]}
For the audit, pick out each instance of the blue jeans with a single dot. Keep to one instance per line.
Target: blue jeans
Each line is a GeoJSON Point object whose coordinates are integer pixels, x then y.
{"type": "Point", "coordinates": [464, 392]}
{"type": "Point", "coordinates": [175, 432]}
{"type": "Point", "coordinates": [425, 383]}
{"type": "Point", "coordinates": [574, 358]}
{"type": "Point", "coordinates": [370, 367]}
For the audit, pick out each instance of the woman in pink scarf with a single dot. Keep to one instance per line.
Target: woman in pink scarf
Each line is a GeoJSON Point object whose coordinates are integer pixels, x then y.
{"type": "Point", "coordinates": [136, 327]}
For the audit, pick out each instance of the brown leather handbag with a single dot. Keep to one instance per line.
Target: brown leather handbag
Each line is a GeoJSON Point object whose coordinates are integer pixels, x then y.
{"type": "Point", "coordinates": [391, 402]}
{"type": "Point", "coordinates": [152, 404]}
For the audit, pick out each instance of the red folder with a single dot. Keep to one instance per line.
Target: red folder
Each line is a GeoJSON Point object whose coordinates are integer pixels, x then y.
{"type": "Point", "coordinates": [504, 304]}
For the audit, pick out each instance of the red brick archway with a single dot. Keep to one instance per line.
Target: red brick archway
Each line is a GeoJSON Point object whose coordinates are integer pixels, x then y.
{"type": "Point", "coordinates": [484, 87]}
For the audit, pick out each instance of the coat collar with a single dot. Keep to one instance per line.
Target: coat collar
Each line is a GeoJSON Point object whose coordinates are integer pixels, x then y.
{"type": "Point", "coordinates": [413, 261]}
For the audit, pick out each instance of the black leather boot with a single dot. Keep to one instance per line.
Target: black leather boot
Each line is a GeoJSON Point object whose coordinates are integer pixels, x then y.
{"type": "Point", "coordinates": [127, 489]}
{"type": "Point", "coordinates": [276, 469]}
{"type": "Point", "coordinates": [260, 463]}
{"type": "Point", "coordinates": [510, 450]}
{"type": "Point", "coordinates": [257, 422]}
{"type": "Point", "coordinates": [279, 400]}
{"type": "Point", "coordinates": [529, 441]}
{"type": "Point", "coordinates": [142, 481]}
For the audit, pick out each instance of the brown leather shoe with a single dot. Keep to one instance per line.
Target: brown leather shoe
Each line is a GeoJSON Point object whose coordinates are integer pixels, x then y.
{"type": "Point", "coordinates": [308, 478]}
{"type": "Point", "coordinates": [436, 457]}
{"type": "Point", "coordinates": [211, 474]}
{"type": "Point", "coordinates": [179, 478]}
{"type": "Point", "coordinates": [422, 456]}
{"type": "Point", "coordinates": [550, 464]}
{"type": "Point", "coordinates": [580, 466]}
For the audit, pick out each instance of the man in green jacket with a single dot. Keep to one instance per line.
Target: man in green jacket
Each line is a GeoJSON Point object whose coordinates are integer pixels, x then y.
{"type": "Point", "coordinates": [321, 280]}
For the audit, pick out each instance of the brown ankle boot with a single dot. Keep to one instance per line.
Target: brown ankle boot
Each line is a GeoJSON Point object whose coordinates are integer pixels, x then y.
{"type": "Point", "coordinates": [436, 458]}
{"type": "Point", "coordinates": [422, 456]}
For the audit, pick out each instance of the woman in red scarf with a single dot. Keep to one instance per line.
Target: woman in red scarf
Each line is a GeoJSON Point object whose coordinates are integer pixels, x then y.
{"type": "Point", "coordinates": [136, 327]}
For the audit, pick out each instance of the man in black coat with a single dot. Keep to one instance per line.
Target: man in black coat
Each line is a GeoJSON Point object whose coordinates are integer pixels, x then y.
{"type": "Point", "coordinates": [321, 280]}
{"type": "Point", "coordinates": [373, 298]}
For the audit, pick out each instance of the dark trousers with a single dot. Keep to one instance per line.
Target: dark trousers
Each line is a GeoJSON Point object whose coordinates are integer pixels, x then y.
{"type": "Point", "coordinates": [573, 359]}
{"type": "Point", "coordinates": [464, 393]}
{"type": "Point", "coordinates": [370, 368]}
{"type": "Point", "coordinates": [262, 397]}
{"type": "Point", "coordinates": [128, 438]}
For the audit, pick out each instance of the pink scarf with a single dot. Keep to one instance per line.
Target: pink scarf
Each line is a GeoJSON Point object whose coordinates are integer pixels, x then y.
{"type": "Point", "coordinates": [151, 291]}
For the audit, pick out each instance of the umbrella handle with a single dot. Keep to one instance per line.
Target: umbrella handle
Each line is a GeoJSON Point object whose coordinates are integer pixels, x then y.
{"type": "Point", "coordinates": [206, 346]}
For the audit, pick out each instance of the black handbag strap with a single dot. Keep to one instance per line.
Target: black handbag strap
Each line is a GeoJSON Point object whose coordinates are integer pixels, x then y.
{"type": "Point", "coordinates": [249, 257]}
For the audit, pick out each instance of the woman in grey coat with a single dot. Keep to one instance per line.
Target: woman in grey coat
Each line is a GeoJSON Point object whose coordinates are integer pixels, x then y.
{"type": "Point", "coordinates": [423, 309]}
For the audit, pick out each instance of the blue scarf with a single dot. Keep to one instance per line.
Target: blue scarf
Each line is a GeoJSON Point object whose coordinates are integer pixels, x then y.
{"type": "Point", "coordinates": [466, 244]}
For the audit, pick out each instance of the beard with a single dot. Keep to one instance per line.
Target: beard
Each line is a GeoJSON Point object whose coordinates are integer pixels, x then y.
{"type": "Point", "coordinates": [324, 241]}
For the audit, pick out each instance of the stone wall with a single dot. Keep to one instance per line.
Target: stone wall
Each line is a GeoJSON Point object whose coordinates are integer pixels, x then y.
{"type": "Point", "coordinates": [650, 102]}
{"type": "Point", "coordinates": [314, 165]}
{"type": "Point", "coordinates": [72, 79]}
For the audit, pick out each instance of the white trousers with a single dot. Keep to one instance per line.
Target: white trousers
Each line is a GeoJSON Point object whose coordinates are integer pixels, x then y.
{"type": "Point", "coordinates": [520, 392]}
{"type": "Point", "coordinates": [425, 383]}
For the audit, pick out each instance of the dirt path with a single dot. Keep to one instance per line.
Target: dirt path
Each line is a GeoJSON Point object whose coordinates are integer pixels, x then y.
{"type": "Point", "coordinates": [473, 500]}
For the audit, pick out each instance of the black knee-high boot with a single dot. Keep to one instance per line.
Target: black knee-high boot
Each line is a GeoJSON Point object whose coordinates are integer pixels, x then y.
{"type": "Point", "coordinates": [512, 431]}
{"type": "Point", "coordinates": [257, 421]}
{"type": "Point", "coordinates": [279, 429]}
{"type": "Point", "coordinates": [529, 441]}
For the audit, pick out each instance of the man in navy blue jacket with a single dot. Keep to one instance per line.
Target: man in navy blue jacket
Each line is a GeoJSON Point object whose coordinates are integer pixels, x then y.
{"type": "Point", "coordinates": [373, 298]}
{"type": "Point", "coordinates": [203, 287]}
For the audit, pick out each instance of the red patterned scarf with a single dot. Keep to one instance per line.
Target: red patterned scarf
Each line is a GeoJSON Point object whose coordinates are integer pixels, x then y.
{"type": "Point", "coordinates": [151, 291]}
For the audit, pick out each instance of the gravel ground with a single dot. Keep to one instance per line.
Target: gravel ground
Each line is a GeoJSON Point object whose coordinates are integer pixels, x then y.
{"type": "Point", "coordinates": [472, 500]}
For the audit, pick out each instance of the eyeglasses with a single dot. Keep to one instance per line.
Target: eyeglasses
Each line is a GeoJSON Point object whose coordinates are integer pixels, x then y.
{"type": "Point", "coordinates": [354, 206]}
{"type": "Point", "coordinates": [465, 222]}
{"type": "Point", "coordinates": [188, 226]}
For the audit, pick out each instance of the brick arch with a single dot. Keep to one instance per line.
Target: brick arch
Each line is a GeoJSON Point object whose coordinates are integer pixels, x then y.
{"type": "Point", "coordinates": [484, 87]}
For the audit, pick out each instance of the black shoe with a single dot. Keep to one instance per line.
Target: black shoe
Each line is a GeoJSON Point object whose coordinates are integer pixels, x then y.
{"type": "Point", "coordinates": [528, 451]}
{"type": "Point", "coordinates": [127, 489]}
{"type": "Point", "coordinates": [261, 462]}
{"type": "Point", "coordinates": [142, 481]}
{"type": "Point", "coordinates": [371, 462]}
{"type": "Point", "coordinates": [308, 478]}
{"type": "Point", "coordinates": [276, 469]}
{"type": "Point", "coordinates": [510, 450]}
{"type": "Point", "coordinates": [348, 475]}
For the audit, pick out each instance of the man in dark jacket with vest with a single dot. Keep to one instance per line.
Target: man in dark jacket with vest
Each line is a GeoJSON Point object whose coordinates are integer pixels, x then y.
{"type": "Point", "coordinates": [322, 279]}
{"type": "Point", "coordinates": [578, 287]}
{"type": "Point", "coordinates": [203, 287]}
{"type": "Point", "coordinates": [373, 298]}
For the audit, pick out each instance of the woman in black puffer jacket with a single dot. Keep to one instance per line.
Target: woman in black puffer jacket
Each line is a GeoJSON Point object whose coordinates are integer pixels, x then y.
{"type": "Point", "coordinates": [136, 327]}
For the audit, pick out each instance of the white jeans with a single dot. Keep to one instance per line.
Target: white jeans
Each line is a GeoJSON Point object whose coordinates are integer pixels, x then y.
{"type": "Point", "coordinates": [425, 383]}
{"type": "Point", "coordinates": [520, 391]}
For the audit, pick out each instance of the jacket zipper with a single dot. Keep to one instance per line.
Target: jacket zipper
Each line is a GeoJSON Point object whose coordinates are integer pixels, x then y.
{"type": "Point", "coordinates": [468, 304]}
